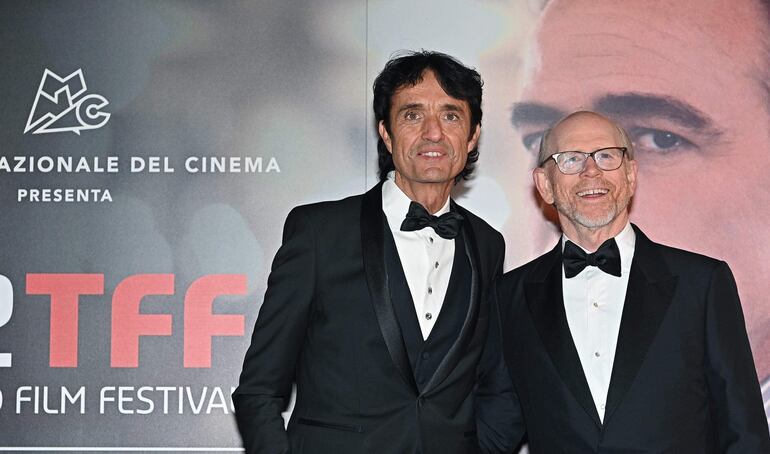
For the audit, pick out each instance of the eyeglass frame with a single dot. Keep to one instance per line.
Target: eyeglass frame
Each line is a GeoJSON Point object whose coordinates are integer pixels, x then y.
{"type": "Point", "coordinates": [556, 155]}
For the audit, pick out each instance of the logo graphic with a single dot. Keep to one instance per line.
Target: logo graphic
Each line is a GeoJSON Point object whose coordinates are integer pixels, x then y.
{"type": "Point", "coordinates": [61, 105]}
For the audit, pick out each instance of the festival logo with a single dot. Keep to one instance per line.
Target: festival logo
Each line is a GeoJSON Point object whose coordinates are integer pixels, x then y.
{"type": "Point", "coordinates": [62, 105]}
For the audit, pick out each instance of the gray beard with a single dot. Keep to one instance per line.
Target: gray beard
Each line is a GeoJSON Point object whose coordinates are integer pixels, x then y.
{"type": "Point", "coordinates": [590, 223]}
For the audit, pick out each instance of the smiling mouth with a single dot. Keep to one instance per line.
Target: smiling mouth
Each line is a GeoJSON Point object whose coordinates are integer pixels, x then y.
{"type": "Point", "coordinates": [592, 192]}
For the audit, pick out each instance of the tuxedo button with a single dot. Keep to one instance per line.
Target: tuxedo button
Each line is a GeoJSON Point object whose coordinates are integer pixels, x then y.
{"type": "Point", "coordinates": [421, 381]}
{"type": "Point", "coordinates": [425, 355]}
{"type": "Point", "coordinates": [421, 401]}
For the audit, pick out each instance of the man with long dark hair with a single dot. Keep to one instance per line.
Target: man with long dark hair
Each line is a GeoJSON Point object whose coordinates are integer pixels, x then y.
{"type": "Point", "coordinates": [376, 305]}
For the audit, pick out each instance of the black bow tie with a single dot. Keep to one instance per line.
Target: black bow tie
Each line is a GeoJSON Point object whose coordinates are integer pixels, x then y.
{"type": "Point", "coordinates": [607, 258]}
{"type": "Point", "coordinates": [446, 226]}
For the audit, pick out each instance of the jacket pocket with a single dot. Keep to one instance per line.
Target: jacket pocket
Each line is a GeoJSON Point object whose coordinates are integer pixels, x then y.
{"type": "Point", "coordinates": [330, 425]}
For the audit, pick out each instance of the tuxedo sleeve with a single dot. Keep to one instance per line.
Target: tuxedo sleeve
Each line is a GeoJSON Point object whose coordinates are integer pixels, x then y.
{"type": "Point", "coordinates": [736, 401]}
{"type": "Point", "coordinates": [269, 366]}
{"type": "Point", "coordinates": [499, 422]}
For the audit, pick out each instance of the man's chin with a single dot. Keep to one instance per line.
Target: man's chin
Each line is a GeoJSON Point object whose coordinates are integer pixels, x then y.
{"type": "Point", "coordinates": [593, 221]}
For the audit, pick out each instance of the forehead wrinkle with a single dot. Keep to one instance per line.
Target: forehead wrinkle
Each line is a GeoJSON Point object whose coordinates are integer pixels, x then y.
{"type": "Point", "coordinates": [616, 45]}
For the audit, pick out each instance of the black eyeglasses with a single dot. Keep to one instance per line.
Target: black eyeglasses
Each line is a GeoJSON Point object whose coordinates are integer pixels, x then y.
{"type": "Point", "coordinates": [572, 162]}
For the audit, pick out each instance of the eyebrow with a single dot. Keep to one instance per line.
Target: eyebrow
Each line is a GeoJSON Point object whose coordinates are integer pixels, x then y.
{"type": "Point", "coordinates": [645, 105]}
{"type": "Point", "coordinates": [622, 105]}
{"type": "Point", "coordinates": [409, 106]}
{"type": "Point", "coordinates": [415, 105]}
{"type": "Point", "coordinates": [534, 113]}
{"type": "Point", "coordinates": [453, 107]}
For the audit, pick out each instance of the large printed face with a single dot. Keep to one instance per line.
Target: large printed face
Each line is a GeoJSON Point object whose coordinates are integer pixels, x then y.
{"type": "Point", "coordinates": [430, 134]}
{"type": "Point", "coordinates": [688, 83]}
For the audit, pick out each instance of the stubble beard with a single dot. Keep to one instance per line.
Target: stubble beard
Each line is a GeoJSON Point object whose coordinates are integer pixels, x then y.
{"type": "Point", "coordinates": [571, 212]}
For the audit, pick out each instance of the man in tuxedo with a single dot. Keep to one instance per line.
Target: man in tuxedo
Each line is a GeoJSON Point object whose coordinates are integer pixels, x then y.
{"type": "Point", "coordinates": [688, 81]}
{"type": "Point", "coordinates": [616, 343]}
{"type": "Point", "coordinates": [376, 305]}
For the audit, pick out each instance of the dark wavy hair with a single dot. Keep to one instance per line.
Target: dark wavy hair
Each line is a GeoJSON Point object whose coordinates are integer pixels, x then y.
{"type": "Point", "coordinates": [407, 69]}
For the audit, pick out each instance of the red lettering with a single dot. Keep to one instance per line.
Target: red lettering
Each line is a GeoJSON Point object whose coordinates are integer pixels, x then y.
{"type": "Point", "coordinates": [128, 323]}
{"type": "Point", "coordinates": [200, 324]}
{"type": "Point", "coordinates": [65, 290]}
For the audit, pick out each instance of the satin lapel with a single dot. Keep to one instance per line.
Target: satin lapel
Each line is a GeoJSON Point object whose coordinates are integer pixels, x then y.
{"type": "Point", "coordinates": [458, 348]}
{"type": "Point", "coordinates": [543, 294]}
{"type": "Point", "coordinates": [650, 290]}
{"type": "Point", "coordinates": [372, 244]}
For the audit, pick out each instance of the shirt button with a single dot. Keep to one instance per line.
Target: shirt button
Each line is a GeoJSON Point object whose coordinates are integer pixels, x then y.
{"type": "Point", "coordinates": [596, 354]}
{"type": "Point", "coordinates": [596, 304]}
{"type": "Point", "coordinates": [430, 238]}
{"type": "Point", "coordinates": [601, 406]}
{"type": "Point", "coordinates": [435, 265]}
{"type": "Point", "coordinates": [428, 316]}
{"type": "Point", "coordinates": [430, 290]}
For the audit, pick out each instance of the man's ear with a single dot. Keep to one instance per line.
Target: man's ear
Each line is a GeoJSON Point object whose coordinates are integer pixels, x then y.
{"type": "Point", "coordinates": [631, 174]}
{"type": "Point", "coordinates": [385, 136]}
{"type": "Point", "coordinates": [543, 185]}
{"type": "Point", "coordinates": [474, 138]}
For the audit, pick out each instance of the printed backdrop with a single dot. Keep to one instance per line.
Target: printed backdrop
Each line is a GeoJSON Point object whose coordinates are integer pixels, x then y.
{"type": "Point", "coordinates": [150, 151]}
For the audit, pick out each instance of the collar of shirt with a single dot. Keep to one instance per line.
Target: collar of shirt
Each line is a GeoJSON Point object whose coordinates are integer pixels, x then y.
{"type": "Point", "coordinates": [626, 241]}
{"type": "Point", "coordinates": [395, 204]}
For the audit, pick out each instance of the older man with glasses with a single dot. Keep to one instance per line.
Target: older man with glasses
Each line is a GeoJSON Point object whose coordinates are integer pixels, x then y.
{"type": "Point", "coordinates": [616, 343]}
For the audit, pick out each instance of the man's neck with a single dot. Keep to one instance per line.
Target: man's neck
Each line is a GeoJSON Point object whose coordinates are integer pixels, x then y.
{"type": "Point", "coordinates": [432, 196]}
{"type": "Point", "coordinates": [591, 238]}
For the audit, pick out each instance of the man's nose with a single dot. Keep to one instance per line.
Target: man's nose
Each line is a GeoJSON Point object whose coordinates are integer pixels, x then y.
{"type": "Point", "coordinates": [431, 129]}
{"type": "Point", "coordinates": [590, 168]}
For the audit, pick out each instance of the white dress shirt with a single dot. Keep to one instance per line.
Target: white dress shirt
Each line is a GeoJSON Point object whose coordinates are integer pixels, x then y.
{"type": "Point", "coordinates": [426, 257]}
{"type": "Point", "coordinates": [766, 397]}
{"type": "Point", "coordinates": [593, 301]}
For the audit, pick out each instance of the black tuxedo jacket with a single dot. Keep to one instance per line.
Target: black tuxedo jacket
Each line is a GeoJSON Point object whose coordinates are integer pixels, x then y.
{"type": "Point", "coordinates": [328, 324]}
{"type": "Point", "coordinates": [683, 379]}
